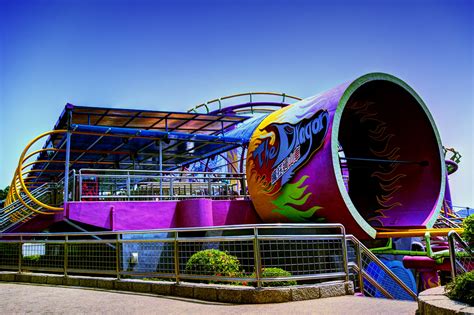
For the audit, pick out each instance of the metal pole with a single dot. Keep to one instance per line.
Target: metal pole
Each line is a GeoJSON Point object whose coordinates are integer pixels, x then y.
{"type": "Point", "coordinates": [80, 185]}
{"type": "Point", "coordinates": [257, 257]}
{"type": "Point", "coordinates": [128, 185]}
{"type": "Point", "coordinates": [20, 253]}
{"type": "Point", "coordinates": [359, 264]}
{"type": "Point", "coordinates": [66, 253]}
{"type": "Point", "coordinates": [452, 254]}
{"type": "Point", "coordinates": [66, 168]}
{"type": "Point", "coordinates": [161, 168]}
{"type": "Point", "coordinates": [176, 257]}
{"type": "Point", "coordinates": [117, 256]}
{"type": "Point", "coordinates": [171, 188]}
{"type": "Point", "coordinates": [344, 253]}
{"type": "Point", "coordinates": [73, 185]}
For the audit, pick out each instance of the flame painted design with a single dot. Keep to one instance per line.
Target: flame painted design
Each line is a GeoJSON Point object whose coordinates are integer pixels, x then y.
{"type": "Point", "coordinates": [429, 279]}
{"type": "Point", "coordinates": [387, 176]}
{"type": "Point", "coordinates": [294, 194]}
{"type": "Point", "coordinates": [291, 201]}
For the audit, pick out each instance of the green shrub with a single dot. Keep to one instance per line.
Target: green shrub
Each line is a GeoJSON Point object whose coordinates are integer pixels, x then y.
{"type": "Point", "coordinates": [468, 234]}
{"type": "Point", "coordinates": [32, 258]}
{"type": "Point", "coordinates": [462, 288]}
{"type": "Point", "coordinates": [274, 273]}
{"type": "Point", "coordinates": [213, 262]}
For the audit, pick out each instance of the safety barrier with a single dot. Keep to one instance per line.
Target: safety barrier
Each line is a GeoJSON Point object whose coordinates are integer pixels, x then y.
{"type": "Point", "coordinates": [16, 212]}
{"type": "Point", "coordinates": [444, 222]}
{"type": "Point", "coordinates": [108, 185]}
{"type": "Point", "coordinates": [460, 254]}
{"type": "Point", "coordinates": [373, 276]}
{"type": "Point", "coordinates": [307, 251]}
{"type": "Point", "coordinates": [270, 100]}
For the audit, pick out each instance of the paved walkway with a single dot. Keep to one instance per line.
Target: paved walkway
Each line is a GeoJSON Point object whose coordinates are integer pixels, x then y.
{"type": "Point", "coordinates": [16, 298]}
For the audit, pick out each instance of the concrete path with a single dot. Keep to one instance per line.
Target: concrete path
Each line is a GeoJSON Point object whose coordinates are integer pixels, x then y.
{"type": "Point", "coordinates": [16, 298]}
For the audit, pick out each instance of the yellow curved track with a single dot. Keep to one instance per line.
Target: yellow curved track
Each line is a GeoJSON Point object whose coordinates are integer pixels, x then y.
{"type": "Point", "coordinates": [18, 184]}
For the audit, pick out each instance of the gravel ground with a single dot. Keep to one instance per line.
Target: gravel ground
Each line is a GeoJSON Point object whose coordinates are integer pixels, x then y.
{"type": "Point", "coordinates": [16, 298]}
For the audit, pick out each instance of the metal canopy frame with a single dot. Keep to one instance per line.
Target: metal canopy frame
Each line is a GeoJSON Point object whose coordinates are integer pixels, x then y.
{"type": "Point", "coordinates": [108, 138]}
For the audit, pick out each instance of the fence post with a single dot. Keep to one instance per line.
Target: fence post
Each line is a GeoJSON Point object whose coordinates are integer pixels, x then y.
{"type": "Point", "coordinates": [20, 253]}
{"type": "Point", "coordinates": [80, 185]}
{"type": "Point", "coordinates": [176, 257]}
{"type": "Point", "coordinates": [128, 186]}
{"type": "Point", "coordinates": [117, 256]}
{"type": "Point", "coordinates": [73, 185]}
{"type": "Point", "coordinates": [209, 186]}
{"type": "Point", "coordinates": [359, 264]}
{"type": "Point", "coordinates": [66, 253]}
{"type": "Point", "coordinates": [452, 254]}
{"type": "Point", "coordinates": [171, 188]}
{"type": "Point", "coordinates": [257, 257]}
{"type": "Point", "coordinates": [344, 253]}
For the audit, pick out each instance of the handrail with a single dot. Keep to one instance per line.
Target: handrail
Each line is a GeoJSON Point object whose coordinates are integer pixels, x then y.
{"type": "Point", "coordinates": [256, 241]}
{"type": "Point", "coordinates": [197, 229]}
{"type": "Point", "coordinates": [83, 170]}
{"type": "Point", "coordinates": [452, 238]}
{"type": "Point", "coordinates": [250, 94]}
{"type": "Point", "coordinates": [179, 184]}
{"type": "Point", "coordinates": [361, 247]}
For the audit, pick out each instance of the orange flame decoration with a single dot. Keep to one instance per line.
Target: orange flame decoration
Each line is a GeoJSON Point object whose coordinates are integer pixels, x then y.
{"type": "Point", "coordinates": [388, 178]}
{"type": "Point", "coordinates": [430, 280]}
{"type": "Point", "coordinates": [262, 181]}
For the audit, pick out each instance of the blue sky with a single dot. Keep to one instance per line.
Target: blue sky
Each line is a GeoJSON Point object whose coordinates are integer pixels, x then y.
{"type": "Point", "coordinates": [170, 55]}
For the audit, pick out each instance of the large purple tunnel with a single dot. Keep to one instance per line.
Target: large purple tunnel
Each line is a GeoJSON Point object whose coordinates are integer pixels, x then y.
{"type": "Point", "coordinates": [366, 154]}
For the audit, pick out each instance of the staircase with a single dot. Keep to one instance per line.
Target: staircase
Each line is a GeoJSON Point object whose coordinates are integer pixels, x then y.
{"type": "Point", "coordinates": [16, 213]}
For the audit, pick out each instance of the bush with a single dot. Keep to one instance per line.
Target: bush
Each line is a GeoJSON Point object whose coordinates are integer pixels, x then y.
{"type": "Point", "coordinates": [273, 273]}
{"type": "Point", "coordinates": [462, 288]}
{"type": "Point", "coordinates": [213, 262]}
{"type": "Point", "coordinates": [32, 258]}
{"type": "Point", "coordinates": [468, 234]}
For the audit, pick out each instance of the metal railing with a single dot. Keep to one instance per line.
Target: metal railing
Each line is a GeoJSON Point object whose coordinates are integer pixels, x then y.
{"type": "Point", "coordinates": [108, 185]}
{"type": "Point", "coordinates": [309, 252]}
{"type": "Point", "coordinates": [460, 255]}
{"type": "Point", "coordinates": [16, 213]}
{"type": "Point", "coordinates": [373, 277]}
{"type": "Point", "coordinates": [443, 222]}
{"type": "Point", "coordinates": [245, 98]}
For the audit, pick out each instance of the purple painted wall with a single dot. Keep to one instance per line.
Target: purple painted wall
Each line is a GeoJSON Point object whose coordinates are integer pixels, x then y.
{"type": "Point", "coordinates": [142, 215]}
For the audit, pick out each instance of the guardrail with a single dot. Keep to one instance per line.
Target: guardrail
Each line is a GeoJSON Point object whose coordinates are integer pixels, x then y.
{"type": "Point", "coordinates": [107, 185]}
{"type": "Point", "coordinates": [270, 98]}
{"type": "Point", "coordinates": [373, 277]}
{"type": "Point", "coordinates": [460, 254]}
{"type": "Point", "coordinates": [443, 222]}
{"type": "Point", "coordinates": [16, 213]}
{"type": "Point", "coordinates": [308, 251]}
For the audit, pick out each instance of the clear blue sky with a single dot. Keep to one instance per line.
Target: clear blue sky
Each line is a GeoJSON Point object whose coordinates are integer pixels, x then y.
{"type": "Point", "coordinates": [170, 55]}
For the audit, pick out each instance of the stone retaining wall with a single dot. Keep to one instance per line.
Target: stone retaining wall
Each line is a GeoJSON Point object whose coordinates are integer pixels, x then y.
{"type": "Point", "coordinates": [208, 292]}
{"type": "Point", "coordinates": [433, 301]}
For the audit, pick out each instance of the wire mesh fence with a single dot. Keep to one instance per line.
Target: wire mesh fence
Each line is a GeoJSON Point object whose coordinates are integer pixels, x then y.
{"type": "Point", "coordinates": [230, 254]}
{"type": "Point", "coordinates": [108, 185]}
{"type": "Point", "coordinates": [375, 279]}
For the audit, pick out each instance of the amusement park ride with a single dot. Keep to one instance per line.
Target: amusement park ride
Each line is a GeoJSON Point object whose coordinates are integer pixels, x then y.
{"type": "Point", "coordinates": [366, 154]}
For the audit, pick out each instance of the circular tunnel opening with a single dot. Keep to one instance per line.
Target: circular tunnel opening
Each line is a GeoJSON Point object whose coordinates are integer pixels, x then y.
{"type": "Point", "coordinates": [389, 155]}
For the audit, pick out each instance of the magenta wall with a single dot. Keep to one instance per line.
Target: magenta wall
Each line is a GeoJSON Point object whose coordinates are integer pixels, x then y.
{"type": "Point", "coordinates": [142, 215]}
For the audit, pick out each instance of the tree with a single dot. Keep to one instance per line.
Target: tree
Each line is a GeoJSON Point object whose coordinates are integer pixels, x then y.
{"type": "Point", "coordinates": [3, 194]}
